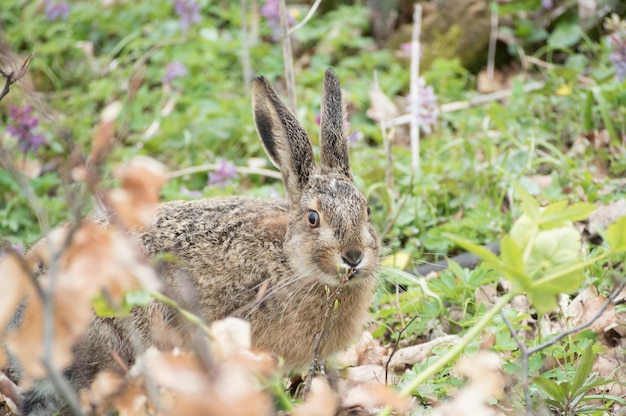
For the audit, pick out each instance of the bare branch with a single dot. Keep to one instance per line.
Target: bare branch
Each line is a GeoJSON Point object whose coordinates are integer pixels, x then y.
{"type": "Point", "coordinates": [12, 77]}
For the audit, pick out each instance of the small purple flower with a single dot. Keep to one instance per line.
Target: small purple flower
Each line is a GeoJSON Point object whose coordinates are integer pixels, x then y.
{"type": "Point", "coordinates": [547, 4]}
{"type": "Point", "coordinates": [224, 173]}
{"type": "Point", "coordinates": [56, 10]}
{"type": "Point", "coordinates": [174, 70]}
{"type": "Point", "coordinates": [17, 247]}
{"type": "Point", "coordinates": [188, 12]}
{"type": "Point", "coordinates": [427, 111]}
{"type": "Point", "coordinates": [189, 193]}
{"type": "Point", "coordinates": [618, 55]}
{"type": "Point", "coordinates": [24, 124]}
{"type": "Point", "coordinates": [271, 12]}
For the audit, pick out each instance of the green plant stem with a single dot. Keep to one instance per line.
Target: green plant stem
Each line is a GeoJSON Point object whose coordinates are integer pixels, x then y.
{"type": "Point", "coordinates": [454, 352]}
{"type": "Point", "coordinates": [194, 319]}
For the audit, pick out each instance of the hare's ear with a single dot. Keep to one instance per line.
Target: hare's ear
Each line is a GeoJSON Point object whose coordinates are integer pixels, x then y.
{"type": "Point", "coordinates": [285, 141]}
{"type": "Point", "coordinates": [333, 141]}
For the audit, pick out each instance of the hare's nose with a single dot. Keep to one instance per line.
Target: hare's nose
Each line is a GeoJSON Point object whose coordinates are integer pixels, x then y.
{"type": "Point", "coordinates": [352, 257]}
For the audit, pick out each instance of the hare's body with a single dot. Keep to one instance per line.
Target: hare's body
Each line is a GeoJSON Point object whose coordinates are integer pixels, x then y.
{"type": "Point", "coordinates": [283, 305]}
{"type": "Point", "coordinates": [271, 262]}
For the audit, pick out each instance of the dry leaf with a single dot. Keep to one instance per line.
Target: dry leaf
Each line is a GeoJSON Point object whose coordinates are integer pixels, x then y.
{"type": "Point", "coordinates": [321, 400]}
{"type": "Point", "coordinates": [105, 132]}
{"type": "Point", "coordinates": [374, 397]}
{"type": "Point", "coordinates": [381, 106]}
{"type": "Point", "coordinates": [486, 381]}
{"type": "Point", "coordinates": [367, 351]}
{"type": "Point", "coordinates": [417, 353]}
{"type": "Point", "coordinates": [94, 259]}
{"type": "Point", "coordinates": [135, 202]}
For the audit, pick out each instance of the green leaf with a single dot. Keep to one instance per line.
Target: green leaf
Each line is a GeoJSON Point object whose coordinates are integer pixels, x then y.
{"type": "Point", "coordinates": [529, 205]}
{"type": "Point", "coordinates": [565, 35]}
{"type": "Point", "coordinates": [480, 251]}
{"type": "Point", "coordinates": [556, 250]}
{"type": "Point", "coordinates": [137, 298]}
{"type": "Point", "coordinates": [584, 368]}
{"type": "Point", "coordinates": [557, 214]}
{"type": "Point", "coordinates": [543, 302]}
{"type": "Point", "coordinates": [552, 389]}
{"type": "Point", "coordinates": [511, 255]}
{"type": "Point", "coordinates": [616, 235]}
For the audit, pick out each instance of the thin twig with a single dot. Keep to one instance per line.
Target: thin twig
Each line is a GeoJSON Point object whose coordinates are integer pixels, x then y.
{"type": "Point", "coordinates": [475, 101]}
{"type": "Point", "coordinates": [493, 37]}
{"type": "Point", "coordinates": [245, 47]}
{"type": "Point", "coordinates": [527, 352]}
{"type": "Point", "coordinates": [415, 96]}
{"type": "Point", "coordinates": [12, 77]}
{"type": "Point", "coordinates": [212, 166]}
{"type": "Point", "coordinates": [290, 77]}
{"type": "Point", "coordinates": [327, 326]}
{"type": "Point", "coordinates": [395, 348]}
{"type": "Point", "coordinates": [386, 142]}
{"type": "Point", "coordinates": [308, 17]}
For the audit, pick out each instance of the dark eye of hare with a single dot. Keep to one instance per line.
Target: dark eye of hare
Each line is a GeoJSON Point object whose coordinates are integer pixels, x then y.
{"type": "Point", "coordinates": [369, 212]}
{"type": "Point", "coordinates": [314, 219]}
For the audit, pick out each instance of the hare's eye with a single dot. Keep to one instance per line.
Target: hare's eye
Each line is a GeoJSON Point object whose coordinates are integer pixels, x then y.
{"type": "Point", "coordinates": [369, 212]}
{"type": "Point", "coordinates": [314, 219]}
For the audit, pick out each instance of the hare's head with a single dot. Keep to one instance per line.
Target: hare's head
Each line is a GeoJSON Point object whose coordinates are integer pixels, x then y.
{"type": "Point", "coordinates": [328, 232]}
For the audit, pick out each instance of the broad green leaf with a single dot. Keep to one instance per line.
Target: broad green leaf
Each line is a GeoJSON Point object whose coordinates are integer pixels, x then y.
{"type": "Point", "coordinates": [398, 260]}
{"type": "Point", "coordinates": [523, 230]}
{"type": "Point", "coordinates": [555, 250]}
{"type": "Point", "coordinates": [559, 214]}
{"type": "Point", "coordinates": [565, 35]}
{"type": "Point", "coordinates": [137, 298]}
{"type": "Point", "coordinates": [514, 269]}
{"type": "Point", "coordinates": [543, 301]}
{"type": "Point", "coordinates": [529, 205]}
{"type": "Point", "coordinates": [552, 389]}
{"type": "Point", "coordinates": [584, 368]}
{"type": "Point", "coordinates": [616, 235]}
{"type": "Point", "coordinates": [480, 251]}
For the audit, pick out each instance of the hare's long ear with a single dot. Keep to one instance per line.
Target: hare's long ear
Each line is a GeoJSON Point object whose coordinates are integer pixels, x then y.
{"type": "Point", "coordinates": [333, 141]}
{"type": "Point", "coordinates": [285, 141]}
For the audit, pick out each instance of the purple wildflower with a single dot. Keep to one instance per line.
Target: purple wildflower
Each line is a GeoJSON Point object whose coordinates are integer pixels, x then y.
{"type": "Point", "coordinates": [427, 111]}
{"type": "Point", "coordinates": [224, 173]}
{"type": "Point", "coordinates": [24, 124]}
{"type": "Point", "coordinates": [174, 70]}
{"type": "Point", "coordinates": [271, 12]}
{"type": "Point", "coordinates": [57, 10]}
{"type": "Point", "coordinates": [547, 4]}
{"type": "Point", "coordinates": [618, 55]}
{"type": "Point", "coordinates": [188, 12]}
{"type": "Point", "coordinates": [189, 193]}
{"type": "Point", "coordinates": [17, 247]}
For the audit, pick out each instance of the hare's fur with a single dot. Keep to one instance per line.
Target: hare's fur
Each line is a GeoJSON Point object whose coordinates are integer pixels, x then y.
{"type": "Point", "coordinates": [261, 260]}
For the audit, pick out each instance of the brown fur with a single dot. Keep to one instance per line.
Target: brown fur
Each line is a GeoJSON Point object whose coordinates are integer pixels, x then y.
{"type": "Point", "coordinates": [228, 250]}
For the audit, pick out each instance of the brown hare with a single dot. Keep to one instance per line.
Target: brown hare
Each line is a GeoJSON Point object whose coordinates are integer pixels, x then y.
{"type": "Point", "coordinates": [297, 248]}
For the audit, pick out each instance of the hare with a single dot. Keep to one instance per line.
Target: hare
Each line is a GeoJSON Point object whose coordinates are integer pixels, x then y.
{"type": "Point", "coordinates": [298, 248]}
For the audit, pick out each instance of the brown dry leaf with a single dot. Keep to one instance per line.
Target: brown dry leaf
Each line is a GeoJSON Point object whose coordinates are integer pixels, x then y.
{"type": "Point", "coordinates": [486, 381]}
{"type": "Point", "coordinates": [381, 106]}
{"type": "Point", "coordinates": [485, 85]}
{"type": "Point", "coordinates": [542, 181]}
{"type": "Point", "coordinates": [418, 353]}
{"type": "Point", "coordinates": [105, 132]}
{"type": "Point", "coordinates": [367, 351]}
{"type": "Point", "coordinates": [135, 202]}
{"type": "Point", "coordinates": [10, 393]}
{"type": "Point", "coordinates": [367, 373]}
{"type": "Point", "coordinates": [233, 390]}
{"type": "Point", "coordinates": [15, 284]}
{"type": "Point", "coordinates": [606, 215]}
{"type": "Point", "coordinates": [30, 168]}
{"type": "Point", "coordinates": [230, 336]}
{"type": "Point", "coordinates": [586, 305]}
{"type": "Point", "coordinates": [610, 365]}
{"type": "Point", "coordinates": [374, 397]}
{"type": "Point", "coordinates": [321, 400]}
{"type": "Point", "coordinates": [95, 259]}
